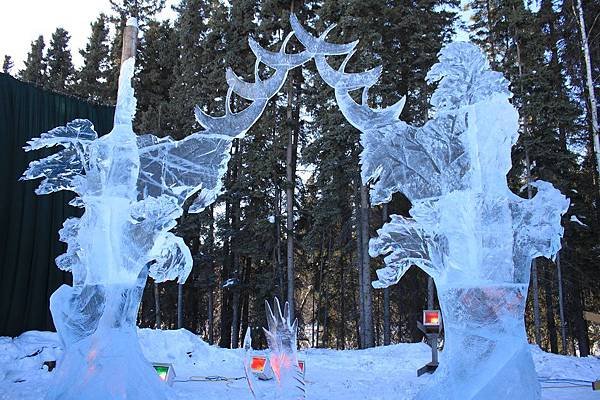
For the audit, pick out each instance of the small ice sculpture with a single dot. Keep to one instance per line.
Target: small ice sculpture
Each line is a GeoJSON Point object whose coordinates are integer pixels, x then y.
{"type": "Point", "coordinates": [132, 189]}
{"type": "Point", "coordinates": [283, 358]}
{"type": "Point", "coordinates": [467, 229]}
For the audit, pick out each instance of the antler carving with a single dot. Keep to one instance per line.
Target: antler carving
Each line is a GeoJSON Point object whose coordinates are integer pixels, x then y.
{"type": "Point", "coordinates": [359, 115]}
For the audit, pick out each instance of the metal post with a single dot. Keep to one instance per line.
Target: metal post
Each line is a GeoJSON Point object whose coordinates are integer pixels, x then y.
{"type": "Point", "coordinates": [431, 337]}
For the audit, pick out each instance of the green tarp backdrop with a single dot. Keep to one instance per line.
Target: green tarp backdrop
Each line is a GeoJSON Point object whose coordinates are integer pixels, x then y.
{"type": "Point", "coordinates": [29, 223]}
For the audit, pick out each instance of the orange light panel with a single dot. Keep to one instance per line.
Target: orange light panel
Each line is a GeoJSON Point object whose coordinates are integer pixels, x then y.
{"type": "Point", "coordinates": [431, 318]}
{"type": "Point", "coordinates": [258, 364]}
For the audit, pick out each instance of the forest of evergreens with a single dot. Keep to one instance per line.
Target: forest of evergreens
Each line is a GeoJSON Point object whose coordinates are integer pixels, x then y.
{"type": "Point", "coordinates": [294, 216]}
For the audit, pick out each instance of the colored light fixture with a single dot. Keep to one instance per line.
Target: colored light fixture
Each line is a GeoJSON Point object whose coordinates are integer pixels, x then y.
{"type": "Point", "coordinates": [165, 372]}
{"type": "Point", "coordinates": [432, 318]}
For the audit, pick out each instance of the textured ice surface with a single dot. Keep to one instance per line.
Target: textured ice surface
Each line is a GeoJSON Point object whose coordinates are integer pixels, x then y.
{"type": "Point", "coordinates": [288, 382]}
{"type": "Point", "coordinates": [467, 229]}
{"type": "Point", "coordinates": [132, 189]}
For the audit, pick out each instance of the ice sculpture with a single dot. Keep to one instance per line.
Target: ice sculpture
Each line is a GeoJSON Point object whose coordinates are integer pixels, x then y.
{"type": "Point", "coordinates": [132, 189]}
{"type": "Point", "coordinates": [467, 229]}
{"type": "Point", "coordinates": [283, 358]}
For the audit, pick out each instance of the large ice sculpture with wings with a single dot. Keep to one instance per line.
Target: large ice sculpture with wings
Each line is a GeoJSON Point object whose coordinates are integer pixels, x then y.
{"type": "Point", "coordinates": [132, 189]}
{"type": "Point", "coordinates": [467, 229]}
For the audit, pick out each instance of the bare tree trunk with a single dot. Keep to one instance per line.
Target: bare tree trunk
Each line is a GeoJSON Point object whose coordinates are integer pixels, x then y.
{"type": "Point", "coordinates": [156, 306]}
{"type": "Point", "coordinates": [246, 295]}
{"type": "Point", "coordinates": [590, 83]}
{"type": "Point", "coordinates": [235, 303]}
{"type": "Point", "coordinates": [278, 261]}
{"type": "Point", "coordinates": [550, 321]}
{"type": "Point", "coordinates": [320, 283]}
{"type": "Point", "coordinates": [211, 310]}
{"type": "Point", "coordinates": [290, 168]}
{"type": "Point", "coordinates": [367, 291]}
{"type": "Point", "coordinates": [386, 296]}
{"type": "Point", "coordinates": [236, 263]}
{"type": "Point", "coordinates": [359, 266]}
{"type": "Point", "coordinates": [312, 333]}
{"type": "Point", "coordinates": [235, 319]}
{"type": "Point", "coordinates": [179, 305]}
{"type": "Point", "coordinates": [341, 337]}
{"type": "Point", "coordinates": [211, 298]}
{"type": "Point", "coordinates": [581, 326]}
{"type": "Point", "coordinates": [561, 309]}
{"type": "Point", "coordinates": [326, 322]}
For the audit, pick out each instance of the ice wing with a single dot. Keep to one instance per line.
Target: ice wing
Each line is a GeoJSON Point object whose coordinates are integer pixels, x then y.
{"type": "Point", "coordinates": [404, 244]}
{"type": "Point", "coordinates": [418, 162]}
{"type": "Point", "coordinates": [180, 168]}
{"type": "Point", "coordinates": [536, 222]}
{"type": "Point", "coordinates": [61, 170]}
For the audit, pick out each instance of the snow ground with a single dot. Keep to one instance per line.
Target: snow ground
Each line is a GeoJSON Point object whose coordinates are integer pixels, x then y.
{"type": "Point", "coordinates": [382, 373]}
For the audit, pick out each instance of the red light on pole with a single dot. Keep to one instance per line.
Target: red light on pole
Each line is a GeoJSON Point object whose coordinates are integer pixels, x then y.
{"type": "Point", "coordinates": [258, 364]}
{"type": "Point", "coordinates": [431, 327]}
{"type": "Point", "coordinates": [432, 318]}
{"type": "Point", "coordinates": [301, 366]}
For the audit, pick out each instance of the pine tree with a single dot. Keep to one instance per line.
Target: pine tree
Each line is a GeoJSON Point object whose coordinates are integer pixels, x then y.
{"type": "Point", "coordinates": [8, 64]}
{"type": "Point", "coordinates": [143, 10]}
{"type": "Point", "coordinates": [157, 57]}
{"type": "Point", "coordinates": [91, 79]}
{"type": "Point", "coordinates": [35, 65]}
{"type": "Point", "coordinates": [191, 82]}
{"type": "Point", "coordinates": [60, 68]}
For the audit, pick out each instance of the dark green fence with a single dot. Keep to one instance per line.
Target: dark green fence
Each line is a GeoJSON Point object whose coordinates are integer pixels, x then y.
{"type": "Point", "coordinates": [29, 223]}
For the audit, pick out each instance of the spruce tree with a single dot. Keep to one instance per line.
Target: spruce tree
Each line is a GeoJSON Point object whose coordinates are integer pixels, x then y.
{"type": "Point", "coordinates": [35, 65]}
{"type": "Point", "coordinates": [60, 67]}
{"type": "Point", "coordinates": [91, 78]}
{"type": "Point", "coordinates": [8, 64]}
{"type": "Point", "coordinates": [157, 57]}
{"type": "Point", "coordinates": [143, 10]}
{"type": "Point", "coordinates": [196, 57]}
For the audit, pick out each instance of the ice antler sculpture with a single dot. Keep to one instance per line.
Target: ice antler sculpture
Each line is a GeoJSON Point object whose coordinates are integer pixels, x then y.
{"type": "Point", "coordinates": [132, 189]}
{"type": "Point", "coordinates": [283, 358]}
{"type": "Point", "coordinates": [467, 229]}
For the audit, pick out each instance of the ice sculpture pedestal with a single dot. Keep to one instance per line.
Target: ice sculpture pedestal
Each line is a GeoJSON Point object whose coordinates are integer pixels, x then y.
{"type": "Point", "coordinates": [97, 324]}
{"type": "Point", "coordinates": [486, 353]}
{"type": "Point", "coordinates": [108, 362]}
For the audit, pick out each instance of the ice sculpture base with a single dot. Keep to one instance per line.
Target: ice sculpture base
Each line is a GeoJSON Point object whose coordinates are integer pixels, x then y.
{"type": "Point", "coordinates": [107, 365]}
{"type": "Point", "coordinates": [486, 355]}
{"type": "Point", "coordinates": [102, 358]}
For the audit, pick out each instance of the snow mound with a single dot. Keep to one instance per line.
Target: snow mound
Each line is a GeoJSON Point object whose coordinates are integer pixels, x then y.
{"type": "Point", "coordinates": [381, 373]}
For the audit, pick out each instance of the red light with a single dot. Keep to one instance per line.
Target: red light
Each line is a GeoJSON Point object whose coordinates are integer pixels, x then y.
{"type": "Point", "coordinates": [258, 364]}
{"type": "Point", "coordinates": [301, 365]}
{"type": "Point", "coordinates": [431, 318]}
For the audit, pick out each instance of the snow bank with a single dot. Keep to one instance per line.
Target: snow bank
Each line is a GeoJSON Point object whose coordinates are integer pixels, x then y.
{"type": "Point", "coordinates": [381, 373]}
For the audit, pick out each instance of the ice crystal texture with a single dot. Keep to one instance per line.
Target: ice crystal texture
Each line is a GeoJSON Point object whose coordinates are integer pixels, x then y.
{"type": "Point", "coordinates": [288, 380]}
{"type": "Point", "coordinates": [132, 189]}
{"type": "Point", "coordinates": [466, 228]}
